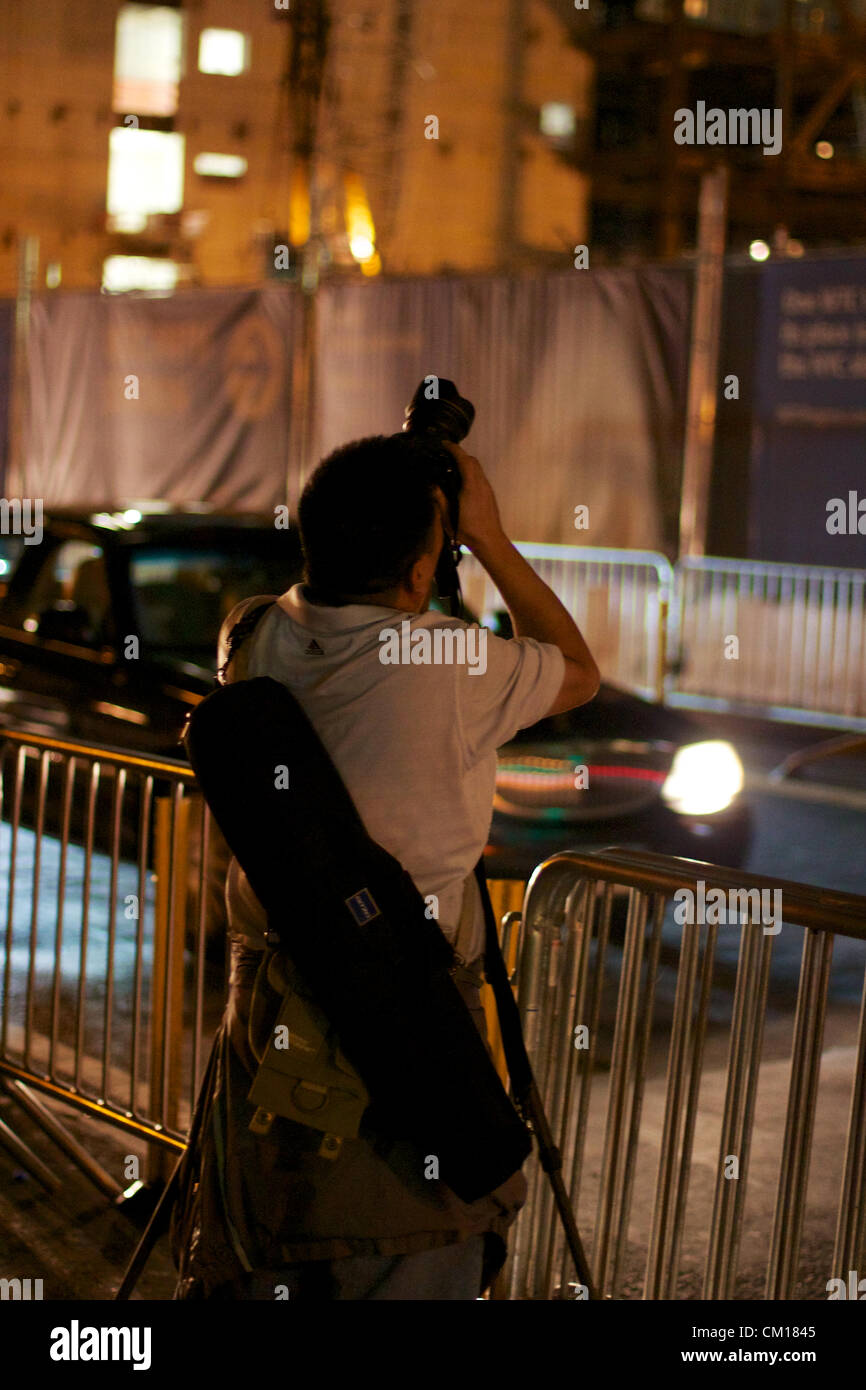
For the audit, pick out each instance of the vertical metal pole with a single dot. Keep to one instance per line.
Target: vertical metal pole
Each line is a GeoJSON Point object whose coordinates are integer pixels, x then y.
{"type": "Point", "coordinates": [28, 265]}
{"type": "Point", "coordinates": [172, 839]}
{"type": "Point", "coordinates": [800, 1117]}
{"type": "Point", "coordinates": [692, 1102]}
{"type": "Point", "coordinates": [646, 1009]}
{"type": "Point", "coordinates": [850, 1241]}
{"type": "Point", "coordinates": [116, 819]}
{"type": "Point", "coordinates": [531, 969]}
{"type": "Point", "coordinates": [81, 1009]}
{"type": "Point", "coordinates": [18, 785]}
{"type": "Point", "coordinates": [34, 906]}
{"type": "Point", "coordinates": [669, 230]}
{"type": "Point", "coordinates": [613, 1154]}
{"type": "Point", "coordinates": [558, 1088]}
{"type": "Point", "coordinates": [303, 418]}
{"type": "Point", "coordinates": [145, 789]}
{"type": "Point", "coordinates": [678, 1053]}
{"type": "Point", "coordinates": [592, 1017]}
{"type": "Point", "coordinates": [747, 1026]}
{"type": "Point", "coordinates": [785, 103]}
{"type": "Point", "coordinates": [68, 786]}
{"type": "Point", "coordinates": [703, 362]}
{"type": "Point", "coordinates": [309, 28]}
{"type": "Point", "coordinates": [663, 619]}
{"type": "Point", "coordinates": [507, 232]}
{"type": "Point", "coordinates": [579, 924]}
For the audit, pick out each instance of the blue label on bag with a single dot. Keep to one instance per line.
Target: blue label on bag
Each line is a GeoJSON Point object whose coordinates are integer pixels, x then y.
{"type": "Point", "coordinates": [362, 906]}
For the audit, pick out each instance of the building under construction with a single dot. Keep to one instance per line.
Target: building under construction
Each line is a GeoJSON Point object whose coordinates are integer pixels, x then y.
{"type": "Point", "coordinates": [190, 144]}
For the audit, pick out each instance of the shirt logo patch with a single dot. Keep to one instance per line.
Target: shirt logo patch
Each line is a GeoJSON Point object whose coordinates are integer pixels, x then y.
{"type": "Point", "coordinates": [362, 906]}
{"type": "Point", "coordinates": [313, 649]}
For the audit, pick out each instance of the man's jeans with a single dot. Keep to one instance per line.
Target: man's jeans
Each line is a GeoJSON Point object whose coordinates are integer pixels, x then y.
{"type": "Point", "coordinates": [449, 1272]}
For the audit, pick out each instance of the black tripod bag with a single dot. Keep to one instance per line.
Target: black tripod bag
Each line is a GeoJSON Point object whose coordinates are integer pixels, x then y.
{"type": "Point", "coordinates": [355, 927]}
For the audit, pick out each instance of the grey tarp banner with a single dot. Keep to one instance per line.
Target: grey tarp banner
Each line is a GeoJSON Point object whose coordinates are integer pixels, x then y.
{"type": "Point", "coordinates": [578, 380]}
{"type": "Point", "coordinates": [211, 418]}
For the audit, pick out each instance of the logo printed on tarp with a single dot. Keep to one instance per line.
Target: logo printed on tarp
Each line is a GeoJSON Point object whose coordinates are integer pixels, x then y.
{"type": "Point", "coordinates": [253, 366]}
{"type": "Point", "coordinates": [362, 906]}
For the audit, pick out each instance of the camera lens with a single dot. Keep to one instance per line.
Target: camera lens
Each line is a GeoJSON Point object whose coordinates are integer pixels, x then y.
{"type": "Point", "coordinates": [444, 415]}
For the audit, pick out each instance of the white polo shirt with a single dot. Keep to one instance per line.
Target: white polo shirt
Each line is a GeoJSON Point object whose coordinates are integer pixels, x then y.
{"type": "Point", "coordinates": [411, 719]}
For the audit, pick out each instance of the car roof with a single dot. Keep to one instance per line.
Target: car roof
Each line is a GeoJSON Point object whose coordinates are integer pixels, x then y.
{"type": "Point", "coordinates": [133, 522]}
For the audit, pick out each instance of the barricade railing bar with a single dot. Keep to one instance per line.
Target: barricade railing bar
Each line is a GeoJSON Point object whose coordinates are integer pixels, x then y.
{"type": "Point", "coordinates": [576, 947]}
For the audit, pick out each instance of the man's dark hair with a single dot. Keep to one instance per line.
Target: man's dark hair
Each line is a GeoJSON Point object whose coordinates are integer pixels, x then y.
{"type": "Point", "coordinates": [366, 515]}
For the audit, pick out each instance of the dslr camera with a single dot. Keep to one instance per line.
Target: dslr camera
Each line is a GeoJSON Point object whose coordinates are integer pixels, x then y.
{"type": "Point", "coordinates": [436, 413]}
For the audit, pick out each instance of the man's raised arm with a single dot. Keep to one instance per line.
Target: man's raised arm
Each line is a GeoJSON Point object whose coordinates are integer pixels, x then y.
{"type": "Point", "coordinates": [535, 610]}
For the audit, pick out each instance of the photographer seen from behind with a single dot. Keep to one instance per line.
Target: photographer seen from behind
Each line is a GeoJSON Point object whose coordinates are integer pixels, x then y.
{"type": "Point", "coordinates": [411, 706]}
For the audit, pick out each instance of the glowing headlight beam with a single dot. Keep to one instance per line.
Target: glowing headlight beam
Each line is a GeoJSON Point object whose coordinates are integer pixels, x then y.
{"type": "Point", "coordinates": [704, 778]}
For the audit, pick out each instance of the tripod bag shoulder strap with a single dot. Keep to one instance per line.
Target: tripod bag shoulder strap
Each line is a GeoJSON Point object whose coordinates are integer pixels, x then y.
{"type": "Point", "coordinates": [242, 629]}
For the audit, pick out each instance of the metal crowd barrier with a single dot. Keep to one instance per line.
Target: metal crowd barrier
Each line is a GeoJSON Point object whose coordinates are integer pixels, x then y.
{"type": "Point", "coordinates": [799, 631]}
{"type": "Point", "coordinates": [618, 598]}
{"type": "Point", "coordinates": [103, 874]}
{"type": "Point", "coordinates": [800, 635]}
{"type": "Point", "coordinates": [629, 1099]}
{"type": "Point", "coordinates": [109, 999]}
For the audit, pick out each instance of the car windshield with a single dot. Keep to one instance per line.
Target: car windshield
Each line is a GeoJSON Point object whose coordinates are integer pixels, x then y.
{"type": "Point", "coordinates": [182, 595]}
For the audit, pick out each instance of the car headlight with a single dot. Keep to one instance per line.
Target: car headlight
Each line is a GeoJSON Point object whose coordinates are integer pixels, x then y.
{"type": "Point", "coordinates": [704, 778]}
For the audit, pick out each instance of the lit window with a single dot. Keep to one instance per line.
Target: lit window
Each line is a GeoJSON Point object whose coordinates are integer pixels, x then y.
{"type": "Point", "coordinates": [223, 51]}
{"type": "Point", "coordinates": [220, 166]}
{"type": "Point", "coordinates": [127, 222]}
{"type": "Point", "coordinates": [148, 59]}
{"type": "Point", "coordinates": [121, 273]}
{"type": "Point", "coordinates": [145, 172]}
{"type": "Point", "coordinates": [557, 118]}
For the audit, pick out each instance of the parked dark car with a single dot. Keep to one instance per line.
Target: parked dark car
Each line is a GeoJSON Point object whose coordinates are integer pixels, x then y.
{"type": "Point", "coordinates": [620, 770]}
{"type": "Point", "coordinates": [108, 626]}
